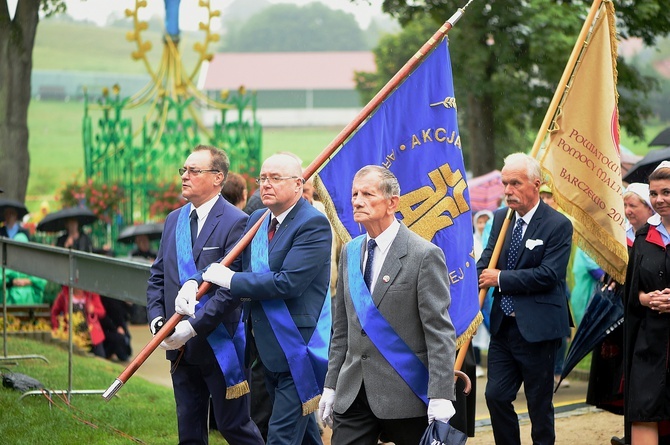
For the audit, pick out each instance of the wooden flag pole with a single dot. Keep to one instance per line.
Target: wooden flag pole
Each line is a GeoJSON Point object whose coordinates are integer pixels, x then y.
{"type": "Point", "coordinates": [321, 159]}
{"type": "Point", "coordinates": [460, 358]}
{"type": "Point", "coordinates": [565, 78]}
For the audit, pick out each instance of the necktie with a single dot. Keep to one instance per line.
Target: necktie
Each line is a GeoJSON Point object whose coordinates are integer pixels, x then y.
{"type": "Point", "coordinates": [367, 275]}
{"type": "Point", "coordinates": [194, 227]}
{"type": "Point", "coordinates": [506, 302]}
{"type": "Point", "coordinates": [272, 229]}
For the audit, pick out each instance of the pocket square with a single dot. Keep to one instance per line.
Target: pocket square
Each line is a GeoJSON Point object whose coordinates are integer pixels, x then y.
{"type": "Point", "coordinates": [209, 248]}
{"type": "Point", "coordinates": [533, 243]}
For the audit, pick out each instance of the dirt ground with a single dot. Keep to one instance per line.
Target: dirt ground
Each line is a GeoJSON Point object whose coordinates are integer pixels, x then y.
{"type": "Point", "coordinates": [584, 426]}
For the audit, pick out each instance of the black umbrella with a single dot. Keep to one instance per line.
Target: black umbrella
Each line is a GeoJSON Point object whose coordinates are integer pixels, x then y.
{"type": "Point", "coordinates": [642, 169]}
{"type": "Point", "coordinates": [152, 230]}
{"type": "Point", "coordinates": [20, 208]}
{"type": "Point", "coordinates": [55, 222]}
{"type": "Point", "coordinates": [603, 314]}
{"type": "Point", "coordinates": [662, 138]}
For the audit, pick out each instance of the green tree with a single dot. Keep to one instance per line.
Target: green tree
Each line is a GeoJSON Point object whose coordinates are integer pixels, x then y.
{"type": "Point", "coordinates": [286, 27]}
{"type": "Point", "coordinates": [17, 38]}
{"type": "Point", "coordinates": [507, 59]}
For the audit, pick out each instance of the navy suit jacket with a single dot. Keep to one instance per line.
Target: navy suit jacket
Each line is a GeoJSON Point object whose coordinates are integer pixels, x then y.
{"type": "Point", "coordinates": [299, 259]}
{"type": "Point", "coordinates": [537, 283]}
{"type": "Point", "coordinates": [222, 229]}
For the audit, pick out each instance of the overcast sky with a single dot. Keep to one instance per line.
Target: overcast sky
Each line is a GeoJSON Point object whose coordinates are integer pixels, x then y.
{"type": "Point", "coordinates": [190, 13]}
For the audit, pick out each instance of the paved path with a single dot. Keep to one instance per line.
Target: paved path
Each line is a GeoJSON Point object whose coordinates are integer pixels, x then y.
{"type": "Point", "coordinates": [568, 402]}
{"type": "Point", "coordinates": [156, 368]}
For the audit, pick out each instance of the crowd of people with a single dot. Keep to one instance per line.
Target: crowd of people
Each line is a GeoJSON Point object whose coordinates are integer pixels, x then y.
{"type": "Point", "coordinates": [300, 332]}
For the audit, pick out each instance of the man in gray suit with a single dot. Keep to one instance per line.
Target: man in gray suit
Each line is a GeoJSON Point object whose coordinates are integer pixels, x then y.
{"type": "Point", "coordinates": [391, 362]}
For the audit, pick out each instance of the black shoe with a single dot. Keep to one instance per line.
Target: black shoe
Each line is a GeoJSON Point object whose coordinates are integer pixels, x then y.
{"type": "Point", "coordinates": [618, 441]}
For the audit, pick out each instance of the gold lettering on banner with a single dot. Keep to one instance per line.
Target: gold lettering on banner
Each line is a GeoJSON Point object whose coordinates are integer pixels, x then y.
{"type": "Point", "coordinates": [389, 160]}
{"type": "Point", "coordinates": [430, 209]}
{"type": "Point", "coordinates": [456, 275]}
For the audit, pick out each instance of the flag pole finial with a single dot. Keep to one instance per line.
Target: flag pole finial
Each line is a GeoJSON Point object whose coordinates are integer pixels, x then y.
{"type": "Point", "coordinates": [458, 14]}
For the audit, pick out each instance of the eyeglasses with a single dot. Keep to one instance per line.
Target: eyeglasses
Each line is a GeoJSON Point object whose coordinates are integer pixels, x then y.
{"type": "Point", "coordinates": [274, 180]}
{"type": "Point", "coordinates": [195, 171]}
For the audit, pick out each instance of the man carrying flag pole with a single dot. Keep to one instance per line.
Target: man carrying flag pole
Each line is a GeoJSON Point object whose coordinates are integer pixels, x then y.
{"type": "Point", "coordinates": [578, 145]}
{"type": "Point", "coordinates": [414, 134]}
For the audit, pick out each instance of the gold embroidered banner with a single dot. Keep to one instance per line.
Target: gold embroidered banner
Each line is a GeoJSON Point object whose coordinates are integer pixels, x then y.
{"type": "Point", "coordinates": [581, 156]}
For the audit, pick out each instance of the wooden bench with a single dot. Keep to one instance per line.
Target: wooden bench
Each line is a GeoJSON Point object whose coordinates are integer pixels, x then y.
{"type": "Point", "coordinates": [27, 312]}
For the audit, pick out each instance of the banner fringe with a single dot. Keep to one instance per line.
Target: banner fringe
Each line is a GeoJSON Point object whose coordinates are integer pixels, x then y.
{"type": "Point", "coordinates": [238, 390]}
{"type": "Point", "coordinates": [470, 331]}
{"type": "Point", "coordinates": [311, 405]}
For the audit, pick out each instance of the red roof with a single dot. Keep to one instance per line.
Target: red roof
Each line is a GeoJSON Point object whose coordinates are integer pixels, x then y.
{"type": "Point", "coordinates": [287, 71]}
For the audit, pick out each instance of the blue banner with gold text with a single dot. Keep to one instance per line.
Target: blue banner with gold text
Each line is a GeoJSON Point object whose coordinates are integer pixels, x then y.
{"type": "Point", "coordinates": [414, 133]}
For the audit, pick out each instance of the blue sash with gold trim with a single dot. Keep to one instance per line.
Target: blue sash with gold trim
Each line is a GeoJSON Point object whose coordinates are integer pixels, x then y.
{"type": "Point", "coordinates": [229, 351]}
{"type": "Point", "coordinates": [308, 363]}
{"type": "Point", "coordinates": [394, 349]}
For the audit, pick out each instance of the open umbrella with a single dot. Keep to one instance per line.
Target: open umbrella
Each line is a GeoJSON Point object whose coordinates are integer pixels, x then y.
{"type": "Point", "coordinates": [603, 314]}
{"type": "Point", "coordinates": [20, 208]}
{"type": "Point", "coordinates": [152, 230]}
{"type": "Point", "coordinates": [642, 169]}
{"type": "Point", "coordinates": [486, 191]}
{"type": "Point", "coordinates": [55, 222]}
{"type": "Point", "coordinates": [662, 138]}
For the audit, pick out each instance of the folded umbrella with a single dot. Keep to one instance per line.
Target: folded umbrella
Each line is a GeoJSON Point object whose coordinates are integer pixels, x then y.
{"type": "Point", "coordinates": [442, 433]}
{"type": "Point", "coordinates": [20, 208]}
{"type": "Point", "coordinates": [152, 230]}
{"type": "Point", "coordinates": [55, 222]}
{"type": "Point", "coordinates": [603, 314]}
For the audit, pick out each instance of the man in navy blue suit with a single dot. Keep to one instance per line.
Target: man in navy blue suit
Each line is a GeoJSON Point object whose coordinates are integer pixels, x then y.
{"type": "Point", "coordinates": [530, 309]}
{"type": "Point", "coordinates": [286, 279]}
{"type": "Point", "coordinates": [202, 349]}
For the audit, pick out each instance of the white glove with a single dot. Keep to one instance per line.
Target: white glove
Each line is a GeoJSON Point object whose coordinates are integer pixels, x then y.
{"type": "Point", "coordinates": [218, 274]}
{"type": "Point", "coordinates": [156, 325]}
{"type": "Point", "coordinates": [326, 406]}
{"type": "Point", "coordinates": [182, 333]}
{"type": "Point", "coordinates": [185, 302]}
{"type": "Point", "coordinates": [440, 409]}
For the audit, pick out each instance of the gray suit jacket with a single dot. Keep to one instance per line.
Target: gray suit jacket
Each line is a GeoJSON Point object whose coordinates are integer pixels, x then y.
{"type": "Point", "coordinates": [415, 301]}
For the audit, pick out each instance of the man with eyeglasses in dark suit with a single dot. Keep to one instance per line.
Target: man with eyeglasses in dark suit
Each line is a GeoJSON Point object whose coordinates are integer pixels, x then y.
{"type": "Point", "coordinates": [200, 347]}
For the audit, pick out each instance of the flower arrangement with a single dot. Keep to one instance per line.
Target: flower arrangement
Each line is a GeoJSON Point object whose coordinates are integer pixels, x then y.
{"type": "Point", "coordinates": [103, 199]}
{"type": "Point", "coordinates": [165, 198]}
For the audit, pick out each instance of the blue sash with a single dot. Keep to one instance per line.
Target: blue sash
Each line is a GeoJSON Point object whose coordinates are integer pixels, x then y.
{"type": "Point", "coordinates": [229, 351]}
{"type": "Point", "coordinates": [394, 349]}
{"type": "Point", "coordinates": [308, 363]}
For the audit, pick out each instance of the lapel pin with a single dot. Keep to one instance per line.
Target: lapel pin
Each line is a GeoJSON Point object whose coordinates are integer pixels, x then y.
{"type": "Point", "coordinates": [386, 278]}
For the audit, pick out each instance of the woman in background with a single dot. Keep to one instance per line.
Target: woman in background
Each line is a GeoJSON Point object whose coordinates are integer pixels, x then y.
{"type": "Point", "coordinates": [87, 310]}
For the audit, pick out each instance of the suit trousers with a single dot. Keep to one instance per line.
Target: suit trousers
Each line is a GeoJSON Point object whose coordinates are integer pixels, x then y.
{"type": "Point", "coordinates": [287, 425]}
{"type": "Point", "coordinates": [193, 385]}
{"type": "Point", "coordinates": [512, 361]}
{"type": "Point", "coordinates": [358, 425]}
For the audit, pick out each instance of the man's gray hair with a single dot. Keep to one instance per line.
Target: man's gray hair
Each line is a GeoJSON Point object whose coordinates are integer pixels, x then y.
{"type": "Point", "coordinates": [533, 170]}
{"type": "Point", "coordinates": [388, 184]}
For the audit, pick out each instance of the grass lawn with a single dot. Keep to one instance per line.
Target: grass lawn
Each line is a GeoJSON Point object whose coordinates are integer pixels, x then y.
{"type": "Point", "coordinates": [61, 45]}
{"type": "Point", "coordinates": [142, 410]}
